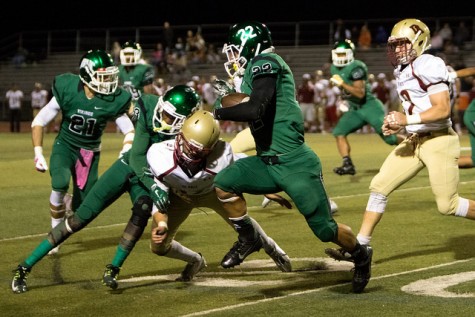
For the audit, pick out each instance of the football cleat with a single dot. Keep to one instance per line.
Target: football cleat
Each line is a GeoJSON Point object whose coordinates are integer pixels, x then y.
{"type": "Point", "coordinates": [362, 272]}
{"type": "Point", "coordinates": [345, 169]}
{"type": "Point", "coordinates": [110, 276]}
{"type": "Point", "coordinates": [239, 251]}
{"type": "Point", "coordinates": [19, 279]}
{"type": "Point", "coordinates": [339, 254]}
{"type": "Point", "coordinates": [191, 269]}
{"type": "Point", "coordinates": [280, 258]}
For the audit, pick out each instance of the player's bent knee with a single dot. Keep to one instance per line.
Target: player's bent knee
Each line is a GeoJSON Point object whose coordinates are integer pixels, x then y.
{"type": "Point", "coordinates": [325, 234]}
{"type": "Point", "coordinates": [141, 210]}
{"type": "Point", "coordinates": [159, 249]}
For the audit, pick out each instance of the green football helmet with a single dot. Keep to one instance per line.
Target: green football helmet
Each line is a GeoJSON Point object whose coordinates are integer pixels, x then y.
{"type": "Point", "coordinates": [173, 107]}
{"type": "Point", "coordinates": [130, 54]}
{"type": "Point", "coordinates": [245, 41]}
{"type": "Point", "coordinates": [343, 53]}
{"type": "Point", "coordinates": [98, 71]}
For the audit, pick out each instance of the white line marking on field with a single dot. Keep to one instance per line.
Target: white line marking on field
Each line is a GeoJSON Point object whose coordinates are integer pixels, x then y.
{"type": "Point", "coordinates": [196, 214]}
{"type": "Point", "coordinates": [221, 309]}
{"type": "Point", "coordinates": [436, 286]}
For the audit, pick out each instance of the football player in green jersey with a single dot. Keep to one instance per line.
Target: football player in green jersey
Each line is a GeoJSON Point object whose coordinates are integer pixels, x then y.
{"type": "Point", "coordinates": [363, 108]}
{"type": "Point", "coordinates": [159, 119]}
{"type": "Point", "coordinates": [87, 103]}
{"type": "Point", "coordinates": [135, 75]}
{"type": "Point", "coordinates": [283, 161]}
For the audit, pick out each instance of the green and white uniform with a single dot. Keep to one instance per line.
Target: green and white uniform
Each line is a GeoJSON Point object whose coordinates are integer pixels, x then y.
{"type": "Point", "coordinates": [121, 177]}
{"type": "Point", "coordinates": [82, 127]}
{"type": "Point", "coordinates": [368, 110]}
{"type": "Point", "coordinates": [135, 78]}
{"type": "Point", "coordinates": [283, 162]}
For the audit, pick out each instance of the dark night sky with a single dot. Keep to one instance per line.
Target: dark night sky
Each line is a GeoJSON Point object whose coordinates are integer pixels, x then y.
{"type": "Point", "coordinates": [90, 14]}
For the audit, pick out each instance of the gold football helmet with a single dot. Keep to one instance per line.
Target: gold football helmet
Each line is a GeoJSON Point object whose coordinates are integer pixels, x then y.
{"type": "Point", "coordinates": [197, 138]}
{"type": "Point", "coordinates": [409, 39]}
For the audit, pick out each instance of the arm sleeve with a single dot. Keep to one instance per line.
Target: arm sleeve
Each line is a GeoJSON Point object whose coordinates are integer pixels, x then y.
{"type": "Point", "coordinates": [47, 113]}
{"type": "Point", "coordinates": [138, 154]}
{"type": "Point", "coordinates": [125, 124]}
{"type": "Point", "coordinates": [261, 96]}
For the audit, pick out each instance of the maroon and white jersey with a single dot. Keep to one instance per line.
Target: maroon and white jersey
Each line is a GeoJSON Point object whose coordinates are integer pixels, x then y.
{"type": "Point", "coordinates": [424, 76]}
{"type": "Point", "coordinates": [170, 176]}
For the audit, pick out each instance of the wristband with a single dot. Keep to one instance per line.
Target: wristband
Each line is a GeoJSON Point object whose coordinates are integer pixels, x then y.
{"type": "Point", "coordinates": [129, 137]}
{"type": "Point", "coordinates": [38, 150]}
{"type": "Point", "coordinates": [163, 224]}
{"type": "Point", "coordinates": [413, 119]}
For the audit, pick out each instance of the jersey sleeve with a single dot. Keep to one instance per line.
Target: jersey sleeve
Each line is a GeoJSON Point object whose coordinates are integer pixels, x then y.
{"type": "Point", "coordinates": [61, 84]}
{"type": "Point", "coordinates": [263, 66]}
{"type": "Point", "coordinates": [138, 152]}
{"type": "Point", "coordinates": [148, 76]}
{"type": "Point", "coordinates": [431, 69]}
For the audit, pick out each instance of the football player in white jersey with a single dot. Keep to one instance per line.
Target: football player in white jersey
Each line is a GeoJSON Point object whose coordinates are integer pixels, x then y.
{"type": "Point", "coordinates": [184, 169]}
{"type": "Point", "coordinates": [423, 84]}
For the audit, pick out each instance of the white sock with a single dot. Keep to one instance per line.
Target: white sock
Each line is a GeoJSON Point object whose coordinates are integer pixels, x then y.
{"type": "Point", "coordinates": [363, 240]}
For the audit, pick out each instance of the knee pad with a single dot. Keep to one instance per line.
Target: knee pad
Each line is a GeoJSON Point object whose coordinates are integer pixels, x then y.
{"type": "Point", "coordinates": [74, 223]}
{"type": "Point", "coordinates": [61, 232]}
{"type": "Point", "coordinates": [141, 211]}
{"type": "Point", "coordinates": [377, 202]}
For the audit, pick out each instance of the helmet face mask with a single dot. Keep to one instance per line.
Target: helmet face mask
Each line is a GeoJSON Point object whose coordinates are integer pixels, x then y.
{"type": "Point", "coordinates": [409, 39]}
{"type": "Point", "coordinates": [98, 72]}
{"type": "Point", "coordinates": [196, 140]}
{"type": "Point", "coordinates": [173, 107]}
{"type": "Point", "coordinates": [130, 54]}
{"type": "Point", "coordinates": [343, 53]}
{"type": "Point", "coordinates": [245, 41]}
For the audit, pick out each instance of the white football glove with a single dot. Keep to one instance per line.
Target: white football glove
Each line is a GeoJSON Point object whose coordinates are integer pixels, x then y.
{"type": "Point", "coordinates": [40, 161]}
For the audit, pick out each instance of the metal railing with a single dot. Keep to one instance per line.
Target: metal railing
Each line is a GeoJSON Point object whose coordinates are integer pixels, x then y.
{"type": "Point", "coordinates": [43, 43]}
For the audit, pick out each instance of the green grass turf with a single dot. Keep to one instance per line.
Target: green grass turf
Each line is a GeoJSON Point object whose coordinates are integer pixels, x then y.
{"type": "Point", "coordinates": [413, 242]}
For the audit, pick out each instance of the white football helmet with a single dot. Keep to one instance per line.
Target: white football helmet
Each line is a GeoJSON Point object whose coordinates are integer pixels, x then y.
{"type": "Point", "coordinates": [130, 54]}
{"type": "Point", "coordinates": [343, 53]}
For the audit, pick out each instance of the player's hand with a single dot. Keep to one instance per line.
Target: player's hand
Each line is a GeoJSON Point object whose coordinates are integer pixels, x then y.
{"type": "Point", "coordinates": [222, 87]}
{"type": "Point", "coordinates": [40, 161]}
{"type": "Point", "coordinates": [280, 200]}
{"type": "Point", "coordinates": [391, 123]}
{"type": "Point", "coordinates": [337, 80]}
{"type": "Point", "coordinates": [160, 198]}
{"type": "Point", "coordinates": [159, 233]}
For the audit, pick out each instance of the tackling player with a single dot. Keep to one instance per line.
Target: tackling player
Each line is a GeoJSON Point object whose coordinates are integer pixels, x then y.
{"type": "Point", "coordinates": [283, 161]}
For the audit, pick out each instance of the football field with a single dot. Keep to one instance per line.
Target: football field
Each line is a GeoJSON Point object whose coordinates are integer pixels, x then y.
{"type": "Point", "coordinates": [423, 262]}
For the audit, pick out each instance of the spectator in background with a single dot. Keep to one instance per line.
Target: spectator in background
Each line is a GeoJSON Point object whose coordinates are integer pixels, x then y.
{"type": "Point", "coordinates": [14, 96]}
{"type": "Point", "coordinates": [381, 90]}
{"type": "Point", "coordinates": [364, 39]}
{"type": "Point", "coordinates": [158, 59]}
{"type": "Point", "coordinates": [305, 95]}
{"type": "Point", "coordinates": [39, 98]}
{"type": "Point", "coordinates": [161, 87]}
{"type": "Point", "coordinates": [461, 35]}
{"type": "Point", "coordinates": [115, 52]}
{"type": "Point", "coordinates": [341, 32]}
{"type": "Point", "coordinates": [436, 43]}
{"type": "Point", "coordinates": [168, 37]}
{"type": "Point", "coordinates": [446, 33]}
{"type": "Point", "coordinates": [381, 36]}
{"type": "Point", "coordinates": [19, 59]}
